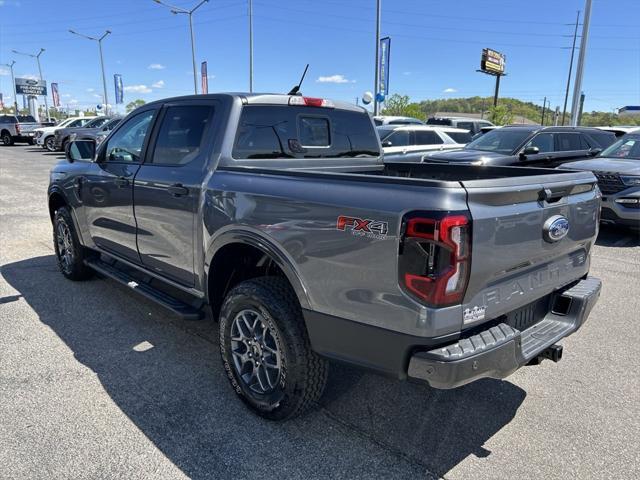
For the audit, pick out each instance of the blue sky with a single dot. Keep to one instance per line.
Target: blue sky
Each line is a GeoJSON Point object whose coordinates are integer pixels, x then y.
{"type": "Point", "coordinates": [435, 47]}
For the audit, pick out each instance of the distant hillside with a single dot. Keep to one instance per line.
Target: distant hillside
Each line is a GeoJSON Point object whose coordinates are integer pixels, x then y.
{"type": "Point", "coordinates": [400, 105]}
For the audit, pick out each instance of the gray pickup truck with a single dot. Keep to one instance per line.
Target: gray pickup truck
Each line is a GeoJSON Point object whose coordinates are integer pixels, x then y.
{"type": "Point", "coordinates": [278, 213]}
{"type": "Point", "coordinates": [20, 129]}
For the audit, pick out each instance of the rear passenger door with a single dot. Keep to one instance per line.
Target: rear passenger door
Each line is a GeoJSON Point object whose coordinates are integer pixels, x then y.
{"type": "Point", "coordinates": [569, 146]}
{"type": "Point", "coordinates": [167, 188]}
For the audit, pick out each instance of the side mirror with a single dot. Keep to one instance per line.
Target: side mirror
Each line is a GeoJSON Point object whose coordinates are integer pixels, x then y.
{"type": "Point", "coordinates": [81, 150]}
{"type": "Point", "coordinates": [594, 151]}
{"type": "Point", "coordinates": [387, 143]}
{"type": "Point", "coordinates": [529, 151]}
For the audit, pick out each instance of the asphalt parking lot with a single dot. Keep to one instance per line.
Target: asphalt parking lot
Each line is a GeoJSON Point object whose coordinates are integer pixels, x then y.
{"type": "Point", "coordinates": [98, 383]}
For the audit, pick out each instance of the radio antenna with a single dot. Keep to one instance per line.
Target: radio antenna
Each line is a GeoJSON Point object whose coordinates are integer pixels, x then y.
{"type": "Point", "coordinates": [295, 90]}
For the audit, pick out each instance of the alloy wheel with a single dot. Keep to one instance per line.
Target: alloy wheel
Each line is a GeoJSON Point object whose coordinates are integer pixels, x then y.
{"type": "Point", "coordinates": [65, 245]}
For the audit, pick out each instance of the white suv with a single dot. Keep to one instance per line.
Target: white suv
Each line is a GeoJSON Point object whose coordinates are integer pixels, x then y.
{"type": "Point", "coordinates": [45, 135]}
{"type": "Point", "coordinates": [403, 139]}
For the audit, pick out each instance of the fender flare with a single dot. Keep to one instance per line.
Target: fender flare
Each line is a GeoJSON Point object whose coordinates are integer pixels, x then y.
{"type": "Point", "coordinates": [257, 239]}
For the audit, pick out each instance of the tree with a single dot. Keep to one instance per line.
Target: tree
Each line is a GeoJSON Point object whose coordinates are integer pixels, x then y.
{"type": "Point", "coordinates": [399, 105]}
{"type": "Point", "coordinates": [135, 104]}
{"type": "Point", "coordinates": [500, 115]}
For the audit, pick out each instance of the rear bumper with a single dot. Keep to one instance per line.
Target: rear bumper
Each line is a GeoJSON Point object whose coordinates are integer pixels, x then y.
{"type": "Point", "coordinates": [500, 350]}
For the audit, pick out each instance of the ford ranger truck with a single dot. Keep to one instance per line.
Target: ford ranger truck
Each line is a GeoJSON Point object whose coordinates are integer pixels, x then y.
{"type": "Point", "coordinates": [278, 213]}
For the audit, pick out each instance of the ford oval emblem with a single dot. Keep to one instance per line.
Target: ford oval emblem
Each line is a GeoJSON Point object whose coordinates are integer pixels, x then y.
{"type": "Point", "coordinates": [555, 228]}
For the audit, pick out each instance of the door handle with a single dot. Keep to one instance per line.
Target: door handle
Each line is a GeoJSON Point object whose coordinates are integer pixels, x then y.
{"type": "Point", "coordinates": [178, 190]}
{"type": "Point", "coordinates": [122, 182]}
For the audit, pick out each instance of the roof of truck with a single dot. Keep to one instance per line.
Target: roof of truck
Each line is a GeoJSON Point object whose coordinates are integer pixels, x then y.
{"type": "Point", "coordinates": [261, 99]}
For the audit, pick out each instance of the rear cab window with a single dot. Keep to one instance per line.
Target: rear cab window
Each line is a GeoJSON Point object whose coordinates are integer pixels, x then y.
{"type": "Point", "coordinates": [284, 131]}
{"type": "Point", "coordinates": [459, 137]}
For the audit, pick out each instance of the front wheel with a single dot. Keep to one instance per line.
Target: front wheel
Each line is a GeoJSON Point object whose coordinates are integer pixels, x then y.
{"type": "Point", "coordinates": [7, 139]}
{"type": "Point", "coordinates": [31, 141]}
{"type": "Point", "coordinates": [70, 254]}
{"type": "Point", "coordinates": [266, 351]}
{"type": "Point", "coordinates": [49, 144]}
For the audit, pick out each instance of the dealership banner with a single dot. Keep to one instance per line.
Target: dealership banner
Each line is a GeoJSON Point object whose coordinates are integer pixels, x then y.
{"type": "Point", "coordinates": [55, 95]}
{"type": "Point", "coordinates": [383, 65]}
{"type": "Point", "coordinates": [30, 86]}
{"type": "Point", "coordinates": [205, 80]}
{"type": "Point", "coordinates": [117, 80]}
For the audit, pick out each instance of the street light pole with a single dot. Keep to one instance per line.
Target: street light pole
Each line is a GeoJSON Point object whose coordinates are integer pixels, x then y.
{"type": "Point", "coordinates": [13, 81]}
{"type": "Point", "coordinates": [573, 51]}
{"type": "Point", "coordinates": [176, 11]}
{"type": "Point", "coordinates": [577, 84]}
{"type": "Point", "coordinates": [104, 79]}
{"type": "Point", "coordinates": [377, 80]}
{"type": "Point", "coordinates": [250, 46]}
{"type": "Point", "coordinates": [37, 57]}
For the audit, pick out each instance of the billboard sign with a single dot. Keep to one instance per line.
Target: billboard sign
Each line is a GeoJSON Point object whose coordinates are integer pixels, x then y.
{"type": "Point", "coordinates": [29, 86]}
{"type": "Point", "coordinates": [55, 95]}
{"type": "Point", "coordinates": [117, 80]}
{"type": "Point", "coordinates": [205, 80]}
{"type": "Point", "coordinates": [492, 62]}
{"type": "Point", "coordinates": [383, 65]}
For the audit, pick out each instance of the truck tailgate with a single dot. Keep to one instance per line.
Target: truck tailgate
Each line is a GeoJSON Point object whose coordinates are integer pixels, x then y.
{"type": "Point", "coordinates": [514, 259]}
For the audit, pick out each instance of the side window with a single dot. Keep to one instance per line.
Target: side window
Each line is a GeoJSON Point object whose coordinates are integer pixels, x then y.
{"type": "Point", "coordinates": [125, 146]}
{"type": "Point", "coordinates": [567, 142]}
{"type": "Point", "coordinates": [181, 134]}
{"type": "Point", "coordinates": [399, 138]}
{"type": "Point", "coordinates": [465, 125]}
{"type": "Point", "coordinates": [544, 142]}
{"type": "Point", "coordinates": [76, 123]}
{"type": "Point", "coordinates": [426, 137]}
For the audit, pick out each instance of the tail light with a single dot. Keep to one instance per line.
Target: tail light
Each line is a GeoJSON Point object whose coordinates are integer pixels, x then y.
{"type": "Point", "coordinates": [435, 259]}
{"type": "Point", "coordinates": [310, 102]}
{"type": "Point", "coordinates": [18, 128]}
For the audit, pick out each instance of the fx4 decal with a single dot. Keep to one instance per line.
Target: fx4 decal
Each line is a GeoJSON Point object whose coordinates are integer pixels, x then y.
{"type": "Point", "coordinates": [363, 227]}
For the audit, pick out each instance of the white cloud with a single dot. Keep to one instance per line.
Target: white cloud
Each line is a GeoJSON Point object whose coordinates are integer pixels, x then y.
{"type": "Point", "coordinates": [30, 76]}
{"type": "Point", "coordinates": [406, 73]}
{"type": "Point", "coordinates": [95, 95]}
{"type": "Point", "coordinates": [449, 90]}
{"type": "Point", "coordinates": [158, 84]}
{"type": "Point", "coordinates": [156, 66]}
{"type": "Point", "coordinates": [137, 89]}
{"type": "Point", "coordinates": [211, 77]}
{"type": "Point", "coordinates": [4, 71]}
{"type": "Point", "coordinates": [73, 101]}
{"type": "Point", "coordinates": [334, 79]}
{"type": "Point", "coordinates": [91, 90]}
{"type": "Point", "coordinates": [65, 95]}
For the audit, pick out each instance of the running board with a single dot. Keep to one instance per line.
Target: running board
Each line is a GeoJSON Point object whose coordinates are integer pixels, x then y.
{"type": "Point", "coordinates": [178, 307]}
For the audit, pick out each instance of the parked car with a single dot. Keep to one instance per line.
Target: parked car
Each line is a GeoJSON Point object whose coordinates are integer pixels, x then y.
{"type": "Point", "coordinates": [18, 129]}
{"type": "Point", "coordinates": [400, 140]}
{"type": "Point", "coordinates": [62, 136]}
{"type": "Point", "coordinates": [92, 133]}
{"type": "Point", "coordinates": [474, 125]}
{"type": "Point", "coordinates": [484, 130]}
{"type": "Point", "coordinates": [529, 145]}
{"type": "Point", "coordinates": [278, 212]}
{"type": "Point", "coordinates": [620, 130]}
{"type": "Point", "coordinates": [617, 169]}
{"type": "Point", "coordinates": [45, 135]}
{"type": "Point", "coordinates": [395, 120]}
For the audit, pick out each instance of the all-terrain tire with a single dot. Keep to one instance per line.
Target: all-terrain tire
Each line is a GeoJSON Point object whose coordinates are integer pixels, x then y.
{"type": "Point", "coordinates": [70, 254]}
{"type": "Point", "coordinates": [6, 139]}
{"type": "Point", "coordinates": [303, 373]}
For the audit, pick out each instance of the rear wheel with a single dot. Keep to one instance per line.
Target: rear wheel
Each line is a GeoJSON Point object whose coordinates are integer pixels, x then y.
{"type": "Point", "coordinates": [6, 138]}
{"type": "Point", "coordinates": [266, 351]}
{"type": "Point", "coordinates": [69, 252]}
{"type": "Point", "coordinates": [49, 144]}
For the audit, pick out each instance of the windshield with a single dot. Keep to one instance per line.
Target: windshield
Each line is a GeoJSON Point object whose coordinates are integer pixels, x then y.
{"type": "Point", "coordinates": [96, 122]}
{"type": "Point", "coordinates": [624, 148]}
{"type": "Point", "coordinates": [501, 140]}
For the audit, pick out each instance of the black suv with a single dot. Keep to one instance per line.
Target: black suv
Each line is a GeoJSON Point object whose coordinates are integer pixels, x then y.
{"type": "Point", "coordinates": [528, 145]}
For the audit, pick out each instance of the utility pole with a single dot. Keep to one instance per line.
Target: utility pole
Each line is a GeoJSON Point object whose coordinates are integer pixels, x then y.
{"type": "Point", "coordinates": [13, 82]}
{"type": "Point", "coordinates": [250, 46]}
{"type": "Point", "coordinates": [176, 11]}
{"type": "Point", "coordinates": [105, 98]}
{"type": "Point", "coordinates": [377, 72]}
{"type": "Point", "coordinates": [37, 57]}
{"type": "Point", "coordinates": [580, 110]}
{"type": "Point", "coordinates": [544, 105]}
{"type": "Point", "coordinates": [577, 84]}
{"type": "Point", "coordinates": [573, 51]}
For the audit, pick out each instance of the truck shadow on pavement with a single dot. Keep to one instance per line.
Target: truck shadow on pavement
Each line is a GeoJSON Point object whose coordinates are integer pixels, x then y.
{"type": "Point", "coordinates": [166, 376]}
{"type": "Point", "coordinates": [614, 236]}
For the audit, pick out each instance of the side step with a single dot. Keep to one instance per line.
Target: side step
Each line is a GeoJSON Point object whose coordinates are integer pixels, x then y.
{"type": "Point", "coordinates": [178, 307]}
